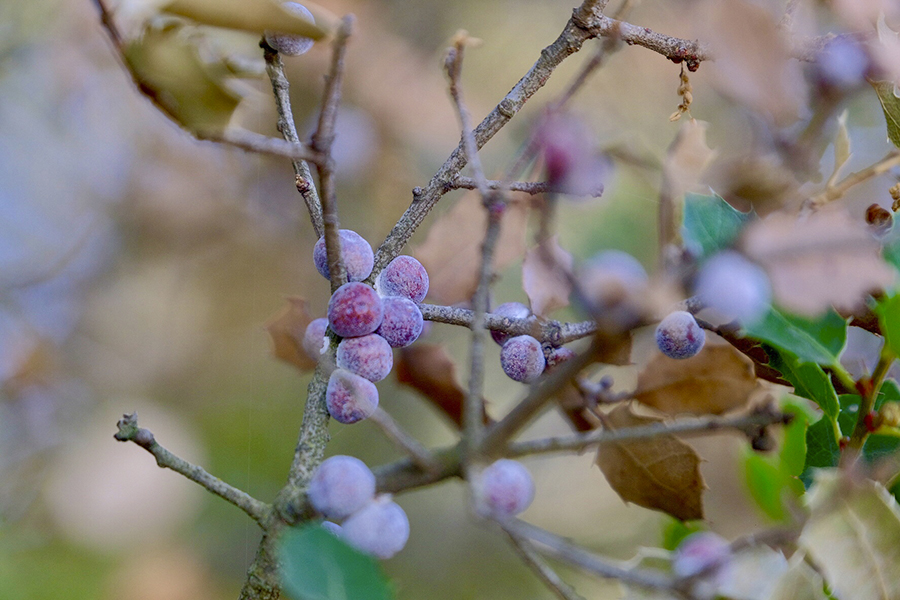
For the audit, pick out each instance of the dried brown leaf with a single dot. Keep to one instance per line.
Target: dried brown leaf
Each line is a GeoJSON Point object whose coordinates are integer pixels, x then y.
{"type": "Point", "coordinates": [687, 159]}
{"type": "Point", "coordinates": [286, 329]}
{"type": "Point", "coordinates": [452, 251]}
{"type": "Point", "coordinates": [662, 473]}
{"type": "Point", "coordinates": [753, 65]}
{"type": "Point", "coordinates": [430, 370]}
{"type": "Point", "coordinates": [718, 379]}
{"type": "Point", "coordinates": [827, 259]}
{"type": "Point", "coordinates": [543, 277]}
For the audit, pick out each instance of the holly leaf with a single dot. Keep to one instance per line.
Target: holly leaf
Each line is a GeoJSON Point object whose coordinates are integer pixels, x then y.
{"type": "Point", "coordinates": [169, 70]}
{"type": "Point", "coordinates": [822, 449]}
{"type": "Point", "coordinates": [662, 473]}
{"type": "Point", "coordinates": [316, 565]}
{"type": "Point", "coordinates": [543, 277]}
{"type": "Point", "coordinates": [714, 381]}
{"type": "Point", "coordinates": [890, 104]}
{"type": "Point", "coordinates": [451, 252]}
{"type": "Point", "coordinates": [853, 536]}
{"type": "Point", "coordinates": [818, 341]}
{"type": "Point", "coordinates": [809, 381]}
{"type": "Point", "coordinates": [286, 329]}
{"type": "Point", "coordinates": [256, 16]}
{"type": "Point", "coordinates": [711, 224]}
{"type": "Point", "coordinates": [814, 263]}
{"type": "Point", "coordinates": [888, 310]}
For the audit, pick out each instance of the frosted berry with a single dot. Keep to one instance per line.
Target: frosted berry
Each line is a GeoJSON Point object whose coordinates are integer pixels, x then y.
{"type": "Point", "coordinates": [522, 358]}
{"type": "Point", "coordinates": [355, 251]}
{"type": "Point", "coordinates": [314, 338]}
{"type": "Point", "coordinates": [355, 309]}
{"type": "Point", "coordinates": [404, 276]}
{"type": "Point", "coordinates": [611, 277]}
{"type": "Point", "coordinates": [510, 310]}
{"type": "Point", "coordinates": [341, 486]}
{"type": "Point", "coordinates": [380, 528]}
{"type": "Point", "coordinates": [570, 159]}
{"type": "Point", "coordinates": [557, 356]}
{"type": "Point", "coordinates": [368, 356]}
{"type": "Point", "coordinates": [350, 398]}
{"type": "Point", "coordinates": [503, 489]}
{"type": "Point", "coordinates": [734, 288]}
{"type": "Point", "coordinates": [291, 45]}
{"type": "Point", "coordinates": [842, 64]}
{"type": "Point", "coordinates": [699, 552]}
{"type": "Point", "coordinates": [402, 324]}
{"type": "Point", "coordinates": [679, 336]}
{"type": "Point", "coordinates": [332, 528]}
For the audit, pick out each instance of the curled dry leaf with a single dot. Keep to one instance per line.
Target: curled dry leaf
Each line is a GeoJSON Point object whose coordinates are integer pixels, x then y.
{"type": "Point", "coordinates": [452, 251]}
{"type": "Point", "coordinates": [661, 473]}
{"type": "Point", "coordinates": [827, 259]}
{"type": "Point", "coordinates": [430, 370]}
{"type": "Point", "coordinates": [686, 160]}
{"type": "Point", "coordinates": [753, 65]}
{"type": "Point", "coordinates": [718, 379]}
{"type": "Point", "coordinates": [543, 277]}
{"type": "Point", "coordinates": [255, 16]}
{"type": "Point", "coordinates": [286, 328]}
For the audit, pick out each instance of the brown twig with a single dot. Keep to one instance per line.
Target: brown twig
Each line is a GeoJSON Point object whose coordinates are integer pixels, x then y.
{"type": "Point", "coordinates": [130, 432]}
{"type": "Point", "coordinates": [833, 193]}
{"type": "Point", "coordinates": [419, 454]}
{"type": "Point", "coordinates": [322, 140]}
{"type": "Point", "coordinates": [545, 573]}
{"type": "Point", "coordinates": [869, 386]}
{"type": "Point", "coordinates": [528, 187]}
{"type": "Point", "coordinates": [287, 127]}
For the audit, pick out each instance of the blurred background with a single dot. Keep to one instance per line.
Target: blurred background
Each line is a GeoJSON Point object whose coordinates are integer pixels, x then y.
{"type": "Point", "coordinates": [139, 266]}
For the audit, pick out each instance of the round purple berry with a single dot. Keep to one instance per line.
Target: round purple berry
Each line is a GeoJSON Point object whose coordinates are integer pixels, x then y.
{"type": "Point", "coordinates": [355, 309]}
{"type": "Point", "coordinates": [368, 356]}
{"type": "Point", "coordinates": [350, 398]}
{"type": "Point", "coordinates": [679, 336]}
{"type": "Point", "coordinates": [341, 486]}
{"type": "Point", "coordinates": [557, 356]}
{"type": "Point", "coordinates": [734, 288]}
{"type": "Point", "coordinates": [291, 45]}
{"type": "Point", "coordinates": [522, 358]}
{"type": "Point", "coordinates": [699, 552]}
{"type": "Point", "coordinates": [314, 338]}
{"type": "Point", "coordinates": [503, 489]}
{"type": "Point", "coordinates": [355, 251]}
{"type": "Point", "coordinates": [380, 528]}
{"type": "Point", "coordinates": [404, 276]}
{"type": "Point", "coordinates": [402, 324]}
{"type": "Point", "coordinates": [509, 310]}
{"type": "Point", "coordinates": [611, 277]}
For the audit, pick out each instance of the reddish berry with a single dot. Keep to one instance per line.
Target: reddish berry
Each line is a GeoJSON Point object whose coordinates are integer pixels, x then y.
{"type": "Point", "coordinates": [557, 356]}
{"type": "Point", "coordinates": [355, 252]}
{"type": "Point", "coordinates": [368, 356]}
{"type": "Point", "coordinates": [510, 310]}
{"type": "Point", "coordinates": [402, 324]}
{"type": "Point", "coordinates": [503, 489]}
{"type": "Point", "coordinates": [341, 486]}
{"type": "Point", "coordinates": [679, 336]}
{"type": "Point", "coordinates": [355, 309]}
{"type": "Point", "coordinates": [404, 276]}
{"type": "Point", "coordinates": [522, 358]}
{"type": "Point", "coordinates": [314, 338]}
{"type": "Point", "coordinates": [350, 398]}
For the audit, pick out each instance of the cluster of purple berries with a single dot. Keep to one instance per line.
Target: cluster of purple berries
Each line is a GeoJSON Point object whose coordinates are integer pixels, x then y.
{"type": "Point", "coordinates": [370, 322]}
{"type": "Point", "coordinates": [343, 489]}
{"type": "Point", "coordinates": [522, 357]}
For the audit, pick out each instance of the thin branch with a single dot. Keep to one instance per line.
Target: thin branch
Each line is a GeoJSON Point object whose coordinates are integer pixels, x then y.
{"type": "Point", "coordinates": [552, 332]}
{"type": "Point", "coordinates": [473, 413]}
{"type": "Point", "coordinates": [833, 193]}
{"type": "Point", "coordinates": [545, 573]}
{"type": "Point", "coordinates": [405, 474]}
{"type": "Point", "coordinates": [287, 127]}
{"type": "Point", "coordinates": [528, 187]}
{"type": "Point", "coordinates": [322, 140]}
{"type": "Point", "coordinates": [749, 424]}
{"type": "Point", "coordinates": [130, 432]}
{"type": "Point", "coordinates": [562, 549]}
{"type": "Point", "coordinates": [417, 452]}
{"type": "Point", "coordinates": [870, 387]}
{"type": "Point", "coordinates": [261, 144]}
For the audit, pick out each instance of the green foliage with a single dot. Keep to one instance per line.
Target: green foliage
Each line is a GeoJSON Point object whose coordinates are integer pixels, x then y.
{"type": "Point", "coordinates": [822, 449]}
{"type": "Point", "coordinates": [809, 380]}
{"type": "Point", "coordinates": [818, 341]}
{"type": "Point", "coordinates": [888, 310]}
{"type": "Point", "coordinates": [675, 530]}
{"type": "Point", "coordinates": [710, 223]}
{"type": "Point", "coordinates": [891, 106]}
{"type": "Point", "coordinates": [316, 565]}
